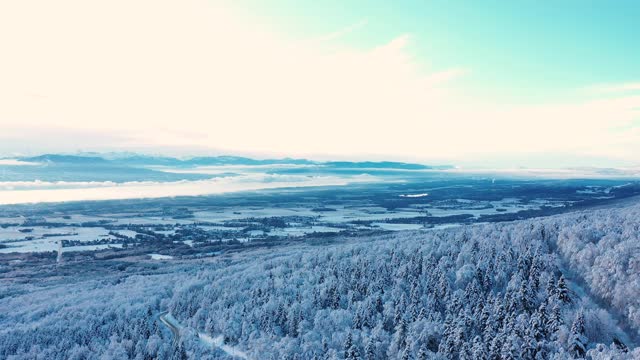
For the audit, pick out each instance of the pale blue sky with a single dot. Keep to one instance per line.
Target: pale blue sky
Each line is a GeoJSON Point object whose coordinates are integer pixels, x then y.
{"type": "Point", "coordinates": [522, 50]}
{"type": "Point", "coordinates": [502, 83]}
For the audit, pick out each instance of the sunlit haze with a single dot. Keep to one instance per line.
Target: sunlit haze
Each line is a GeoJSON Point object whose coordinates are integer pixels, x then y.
{"type": "Point", "coordinates": [241, 77]}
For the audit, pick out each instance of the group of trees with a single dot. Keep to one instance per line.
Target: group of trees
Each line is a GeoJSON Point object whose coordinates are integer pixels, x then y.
{"type": "Point", "coordinates": [521, 290]}
{"type": "Point", "coordinates": [604, 248]}
{"type": "Point", "coordinates": [496, 291]}
{"type": "Point", "coordinates": [105, 317]}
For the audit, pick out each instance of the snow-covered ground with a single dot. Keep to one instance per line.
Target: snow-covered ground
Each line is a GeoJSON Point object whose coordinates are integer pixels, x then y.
{"type": "Point", "coordinates": [160, 257]}
{"type": "Point", "coordinates": [398, 227]}
{"type": "Point", "coordinates": [20, 238]}
{"type": "Point", "coordinates": [413, 195]}
{"type": "Point", "coordinates": [40, 238]}
{"type": "Point", "coordinates": [218, 342]}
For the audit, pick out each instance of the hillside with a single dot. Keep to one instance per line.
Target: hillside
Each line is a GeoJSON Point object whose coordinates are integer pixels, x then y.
{"type": "Point", "coordinates": [550, 288]}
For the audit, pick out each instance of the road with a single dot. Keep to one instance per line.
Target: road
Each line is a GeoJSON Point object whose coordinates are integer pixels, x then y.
{"type": "Point", "coordinates": [173, 327]}
{"type": "Point", "coordinates": [217, 343]}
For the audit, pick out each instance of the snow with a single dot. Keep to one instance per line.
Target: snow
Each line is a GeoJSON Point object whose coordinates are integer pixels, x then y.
{"type": "Point", "coordinates": [92, 247]}
{"type": "Point", "coordinates": [218, 343]}
{"type": "Point", "coordinates": [45, 245]}
{"type": "Point", "coordinates": [398, 227]}
{"type": "Point", "coordinates": [414, 195]}
{"type": "Point", "coordinates": [255, 233]}
{"type": "Point", "coordinates": [301, 231]}
{"type": "Point", "coordinates": [45, 239]}
{"type": "Point", "coordinates": [160, 257]}
{"type": "Point", "coordinates": [128, 233]}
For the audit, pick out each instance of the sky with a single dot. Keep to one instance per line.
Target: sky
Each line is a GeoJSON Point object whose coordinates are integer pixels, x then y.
{"type": "Point", "coordinates": [496, 83]}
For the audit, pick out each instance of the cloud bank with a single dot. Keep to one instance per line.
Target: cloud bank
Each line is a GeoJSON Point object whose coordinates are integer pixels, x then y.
{"type": "Point", "coordinates": [24, 192]}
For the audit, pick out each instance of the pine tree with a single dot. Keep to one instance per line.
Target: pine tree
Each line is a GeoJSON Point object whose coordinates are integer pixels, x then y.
{"type": "Point", "coordinates": [347, 345]}
{"type": "Point", "coordinates": [423, 353]}
{"type": "Point", "coordinates": [484, 318]}
{"type": "Point", "coordinates": [357, 320]}
{"type": "Point", "coordinates": [353, 353]}
{"type": "Point", "coordinates": [495, 348]}
{"type": "Point", "coordinates": [335, 299]}
{"type": "Point", "coordinates": [399, 340]}
{"type": "Point", "coordinates": [534, 272]}
{"type": "Point", "coordinates": [620, 345]}
{"type": "Point", "coordinates": [447, 347]}
{"type": "Point", "coordinates": [529, 346]}
{"type": "Point", "coordinates": [379, 305]}
{"type": "Point", "coordinates": [537, 323]}
{"type": "Point", "coordinates": [422, 314]}
{"type": "Point", "coordinates": [526, 296]}
{"type": "Point", "coordinates": [555, 320]}
{"type": "Point", "coordinates": [325, 346]}
{"type": "Point", "coordinates": [179, 353]}
{"type": "Point", "coordinates": [478, 350]}
{"type": "Point", "coordinates": [466, 352]}
{"type": "Point", "coordinates": [577, 339]}
{"type": "Point", "coordinates": [510, 349]}
{"type": "Point", "coordinates": [370, 349]}
{"type": "Point", "coordinates": [292, 324]}
{"type": "Point", "coordinates": [551, 287]}
{"type": "Point", "coordinates": [562, 292]}
{"type": "Point", "coordinates": [405, 354]}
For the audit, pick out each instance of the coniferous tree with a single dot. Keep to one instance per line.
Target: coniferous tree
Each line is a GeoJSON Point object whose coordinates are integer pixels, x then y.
{"type": "Point", "coordinates": [510, 348]}
{"type": "Point", "coordinates": [562, 292]}
{"type": "Point", "coordinates": [550, 289]}
{"type": "Point", "coordinates": [179, 353]}
{"type": "Point", "coordinates": [379, 304]}
{"type": "Point", "coordinates": [577, 339]}
{"type": "Point", "coordinates": [401, 334]}
{"type": "Point", "coordinates": [370, 349]}
{"type": "Point", "coordinates": [537, 324]}
{"type": "Point", "coordinates": [348, 345]}
{"type": "Point", "coordinates": [529, 346]}
{"type": "Point", "coordinates": [423, 353]}
{"type": "Point", "coordinates": [478, 349]}
{"type": "Point", "coordinates": [555, 320]}
{"type": "Point", "coordinates": [526, 296]}
{"type": "Point", "coordinates": [405, 354]}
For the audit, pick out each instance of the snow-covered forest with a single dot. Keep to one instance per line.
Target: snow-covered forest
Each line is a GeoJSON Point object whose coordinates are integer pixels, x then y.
{"type": "Point", "coordinates": [562, 287]}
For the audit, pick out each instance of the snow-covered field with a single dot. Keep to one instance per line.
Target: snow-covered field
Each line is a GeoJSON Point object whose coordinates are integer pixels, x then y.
{"type": "Point", "coordinates": [18, 236]}
{"type": "Point", "coordinates": [160, 257]}
{"type": "Point", "coordinates": [45, 239]}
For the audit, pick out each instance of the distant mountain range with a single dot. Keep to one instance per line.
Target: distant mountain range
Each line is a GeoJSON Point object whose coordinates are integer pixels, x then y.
{"type": "Point", "coordinates": [127, 167]}
{"type": "Point", "coordinates": [139, 160]}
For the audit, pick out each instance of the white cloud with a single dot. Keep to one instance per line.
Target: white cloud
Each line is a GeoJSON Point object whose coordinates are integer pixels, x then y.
{"type": "Point", "coordinates": [195, 74]}
{"type": "Point", "coordinates": [345, 31]}
{"type": "Point", "coordinates": [615, 88]}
